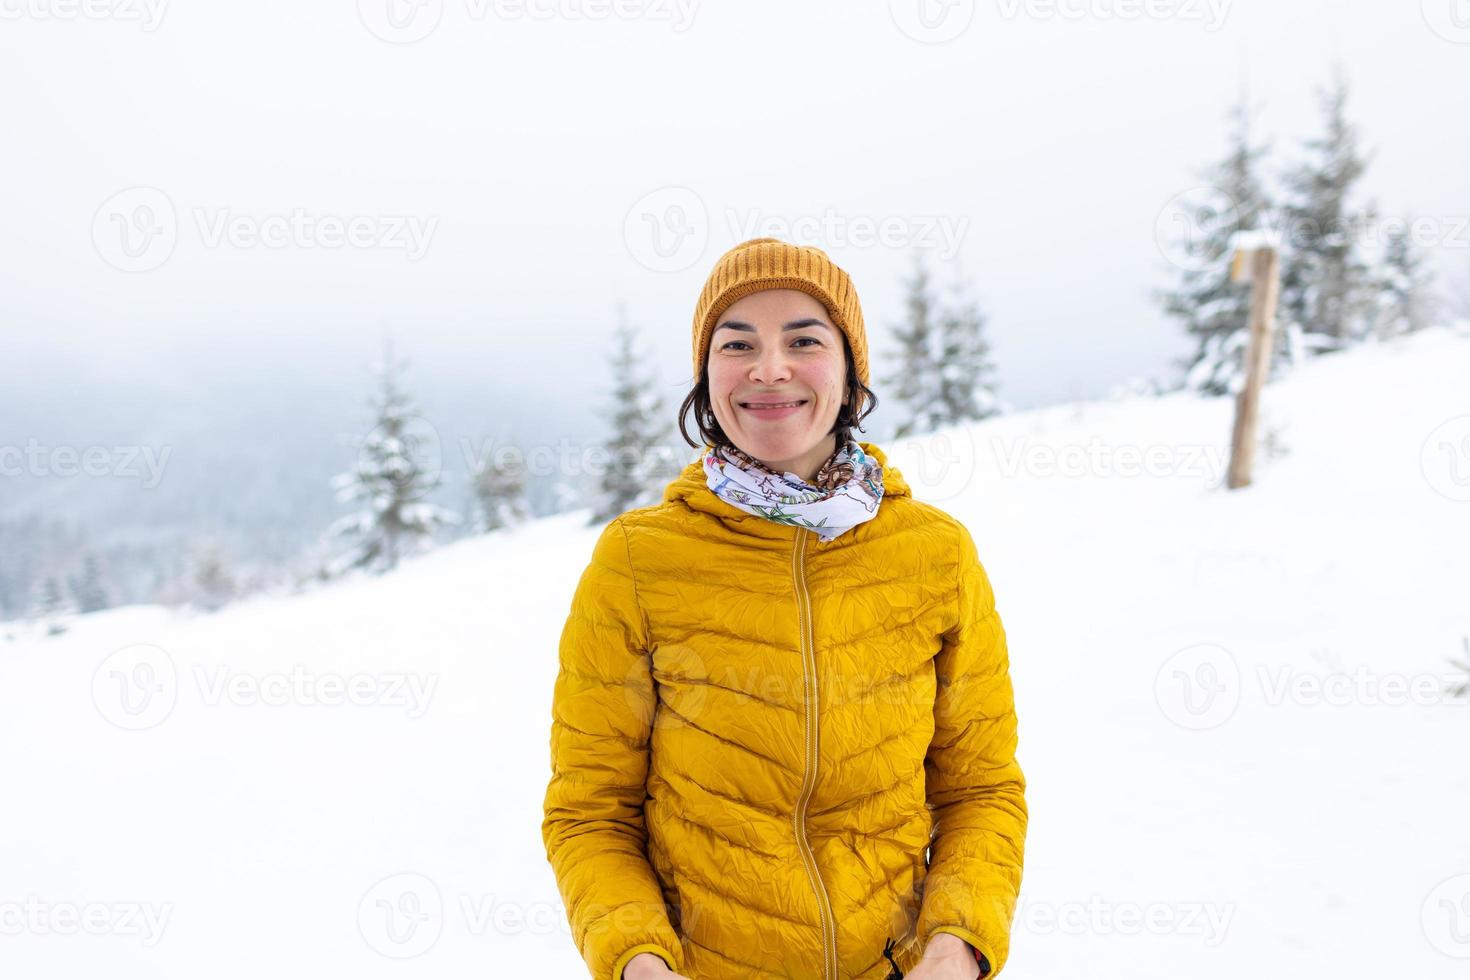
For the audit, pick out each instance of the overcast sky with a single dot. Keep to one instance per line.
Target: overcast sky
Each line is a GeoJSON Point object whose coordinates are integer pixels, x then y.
{"type": "Point", "coordinates": [515, 171]}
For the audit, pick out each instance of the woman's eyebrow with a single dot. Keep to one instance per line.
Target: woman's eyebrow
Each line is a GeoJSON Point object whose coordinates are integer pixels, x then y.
{"type": "Point", "coordinates": [810, 321]}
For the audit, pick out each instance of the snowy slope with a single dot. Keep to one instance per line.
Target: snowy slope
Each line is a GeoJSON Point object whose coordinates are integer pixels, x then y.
{"type": "Point", "coordinates": [349, 781]}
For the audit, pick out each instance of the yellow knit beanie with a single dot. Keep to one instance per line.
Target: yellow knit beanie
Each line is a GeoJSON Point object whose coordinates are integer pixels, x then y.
{"type": "Point", "coordinates": [768, 263]}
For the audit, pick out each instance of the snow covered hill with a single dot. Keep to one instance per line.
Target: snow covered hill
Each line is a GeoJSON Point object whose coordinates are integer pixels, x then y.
{"type": "Point", "coordinates": [1241, 757]}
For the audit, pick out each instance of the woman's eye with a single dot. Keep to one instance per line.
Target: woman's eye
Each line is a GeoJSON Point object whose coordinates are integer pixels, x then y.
{"type": "Point", "coordinates": [732, 343]}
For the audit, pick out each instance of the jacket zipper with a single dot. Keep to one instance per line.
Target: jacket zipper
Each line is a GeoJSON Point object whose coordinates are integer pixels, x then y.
{"type": "Point", "coordinates": [809, 774]}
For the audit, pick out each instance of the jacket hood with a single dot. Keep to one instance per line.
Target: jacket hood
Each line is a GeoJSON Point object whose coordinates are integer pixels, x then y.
{"type": "Point", "coordinates": [691, 489]}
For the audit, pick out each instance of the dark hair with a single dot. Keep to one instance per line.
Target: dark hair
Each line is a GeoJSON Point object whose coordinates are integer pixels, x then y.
{"type": "Point", "coordinates": [859, 405]}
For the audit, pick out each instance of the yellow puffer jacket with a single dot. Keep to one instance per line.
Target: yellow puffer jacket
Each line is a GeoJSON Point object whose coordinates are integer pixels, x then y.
{"type": "Point", "coordinates": [756, 736]}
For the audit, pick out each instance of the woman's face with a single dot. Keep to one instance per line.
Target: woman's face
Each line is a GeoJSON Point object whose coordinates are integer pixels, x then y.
{"type": "Point", "coordinates": [778, 346]}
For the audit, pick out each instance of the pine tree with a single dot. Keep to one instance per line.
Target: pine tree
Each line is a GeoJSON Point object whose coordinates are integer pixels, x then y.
{"type": "Point", "coordinates": [393, 473]}
{"type": "Point", "coordinates": [1405, 287]}
{"type": "Point", "coordinates": [1326, 287]}
{"type": "Point", "coordinates": [87, 589]}
{"type": "Point", "coordinates": [944, 374]}
{"type": "Point", "coordinates": [1213, 309]}
{"type": "Point", "coordinates": [966, 389]}
{"type": "Point", "coordinates": [639, 448]}
{"type": "Point", "coordinates": [500, 494]}
{"type": "Point", "coordinates": [916, 382]}
{"type": "Point", "coordinates": [52, 607]}
{"type": "Point", "coordinates": [210, 582]}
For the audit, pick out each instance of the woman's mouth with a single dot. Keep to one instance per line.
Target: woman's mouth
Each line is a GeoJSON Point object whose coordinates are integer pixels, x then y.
{"type": "Point", "coordinates": [773, 409]}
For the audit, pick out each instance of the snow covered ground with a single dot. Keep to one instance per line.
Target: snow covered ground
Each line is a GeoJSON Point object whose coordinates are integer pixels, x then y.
{"type": "Point", "coordinates": [1241, 759]}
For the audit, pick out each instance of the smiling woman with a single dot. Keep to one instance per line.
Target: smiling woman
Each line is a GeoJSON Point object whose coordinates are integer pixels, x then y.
{"type": "Point", "coordinates": [776, 389]}
{"type": "Point", "coordinates": [772, 340]}
{"type": "Point", "coordinates": [783, 734]}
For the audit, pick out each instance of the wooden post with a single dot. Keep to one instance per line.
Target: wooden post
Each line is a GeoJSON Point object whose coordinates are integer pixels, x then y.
{"type": "Point", "coordinates": [1258, 265]}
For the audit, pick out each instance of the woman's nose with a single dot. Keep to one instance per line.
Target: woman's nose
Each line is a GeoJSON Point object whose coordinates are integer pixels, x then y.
{"type": "Point", "coordinates": [771, 367]}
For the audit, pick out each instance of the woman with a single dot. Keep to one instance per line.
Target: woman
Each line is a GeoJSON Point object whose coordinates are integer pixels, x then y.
{"type": "Point", "coordinates": [783, 734]}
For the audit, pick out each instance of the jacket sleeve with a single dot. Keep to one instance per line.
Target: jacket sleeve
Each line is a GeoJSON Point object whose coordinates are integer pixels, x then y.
{"type": "Point", "coordinates": [593, 828]}
{"type": "Point", "coordinates": [975, 786]}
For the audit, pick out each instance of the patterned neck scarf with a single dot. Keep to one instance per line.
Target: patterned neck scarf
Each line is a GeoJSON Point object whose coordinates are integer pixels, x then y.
{"type": "Point", "coordinates": [845, 492]}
